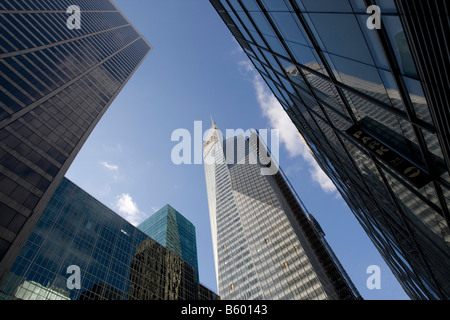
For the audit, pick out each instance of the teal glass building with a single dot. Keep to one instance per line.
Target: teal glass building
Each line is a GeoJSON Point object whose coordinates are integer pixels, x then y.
{"type": "Point", "coordinates": [172, 230]}
{"type": "Point", "coordinates": [116, 260]}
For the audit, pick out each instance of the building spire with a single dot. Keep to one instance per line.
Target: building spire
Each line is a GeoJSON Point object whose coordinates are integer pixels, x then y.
{"type": "Point", "coordinates": [213, 125]}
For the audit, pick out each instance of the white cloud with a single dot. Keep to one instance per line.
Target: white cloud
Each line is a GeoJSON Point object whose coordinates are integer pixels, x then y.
{"type": "Point", "coordinates": [278, 118]}
{"type": "Point", "coordinates": [246, 66]}
{"type": "Point", "coordinates": [106, 190]}
{"type": "Point", "coordinates": [128, 209]}
{"type": "Point", "coordinates": [289, 135]}
{"type": "Point", "coordinates": [114, 169]}
{"type": "Point", "coordinates": [319, 176]}
{"type": "Point", "coordinates": [111, 167]}
{"type": "Point", "coordinates": [238, 49]}
{"type": "Point", "coordinates": [113, 149]}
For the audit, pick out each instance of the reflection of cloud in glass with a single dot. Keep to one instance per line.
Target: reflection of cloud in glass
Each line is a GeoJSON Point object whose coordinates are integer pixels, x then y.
{"type": "Point", "coordinates": [289, 135]}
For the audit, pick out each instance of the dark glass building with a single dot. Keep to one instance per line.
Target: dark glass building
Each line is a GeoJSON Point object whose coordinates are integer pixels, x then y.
{"type": "Point", "coordinates": [172, 230]}
{"type": "Point", "coordinates": [116, 260]}
{"type": "Point", "coordinates": [373, 107]}
{"type": "Point", "coordinates": [158, 273]}
{"type": "Point", "coordinates": [266, 246]}
{"type": "Point", "coordinates": [56, 83]}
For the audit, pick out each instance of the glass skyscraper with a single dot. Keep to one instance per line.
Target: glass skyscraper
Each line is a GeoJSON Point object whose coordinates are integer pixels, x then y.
{"type": "Point", "coordinates": [116, 260]}
{"type": "Point", "coordinates": [372, 106]}
{"type": "Point", "coordinates": [56, 83]}
{"type": "Point", "coordinates": [172, 230]}
{"type": "Point", "coordinates": [265, 245]}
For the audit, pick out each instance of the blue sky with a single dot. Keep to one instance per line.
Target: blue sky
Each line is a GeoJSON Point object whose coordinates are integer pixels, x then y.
{"type": "Point", "coordinates": [197, 70]}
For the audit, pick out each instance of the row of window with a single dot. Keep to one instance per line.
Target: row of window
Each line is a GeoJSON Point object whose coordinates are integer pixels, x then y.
{"type": "Point", "coordinates": [229, 271]}
{"type": "Point", "coordinates": [67, 61]}
{"type": "Point", "coordinates": [19, 127]}
{"type": "Point", "coordinates": [60, 5]}
{"type": "Point", "coordinates": [47, 28]}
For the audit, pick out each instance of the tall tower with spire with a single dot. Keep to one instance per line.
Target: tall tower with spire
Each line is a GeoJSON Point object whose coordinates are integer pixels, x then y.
{"type": "Point", "coordinates": [265, 245]}
{"type": "Point", "coordinates": [213, 125]}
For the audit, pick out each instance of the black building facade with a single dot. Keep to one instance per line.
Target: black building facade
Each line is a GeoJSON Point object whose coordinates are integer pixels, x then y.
{"type": "Point", "coordinates": [56, 82]}
{"type": "Point", "coordinates": [159, 273]}
{"type": "Point", "coordinates": [372, 106]}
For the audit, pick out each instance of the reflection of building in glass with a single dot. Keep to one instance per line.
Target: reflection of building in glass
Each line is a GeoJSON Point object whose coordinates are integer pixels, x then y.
{"type": "Point", "coordinates": [170, 229]}
{"type": "Point", "coordinates": [115, 258]}
{"type": "Point", "coordinates": [265, 245]}
{"type": "Point", "coordinates": [55, 85]}
{"type": "Point", "coordinates": [35, 291]}
{"type": "Point", "coordinates": [159, 274]}
{"type": "Point", "coordinates": [356, 98]}
{"type": "Point", "coordinates": [100, 291]}
{"type": "Point", "coordinates": [406, 59]}
{"type": "Point", "coordinates": [206, 294]}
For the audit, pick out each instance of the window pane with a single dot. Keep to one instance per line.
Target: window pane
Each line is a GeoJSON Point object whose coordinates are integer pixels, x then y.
{"type": "Point", "coordinates": [341, 35]}
{"type": "Point", "coordinates": [327, 5]}
{"type": "Point", "coordinates": [418, 99]}
{"type": "Point", "coordinates": [302, 54]}
{"type": "Point", "coordinates": [278, 5]}
{"type": "Point", "coordinates": [261, 23]}
{"type": "Point", "coordinates": [289, 28]}
{"type": "Point", "coordinates": [400, 46]}
{"type": "Point", "coordinates": [361, 77]}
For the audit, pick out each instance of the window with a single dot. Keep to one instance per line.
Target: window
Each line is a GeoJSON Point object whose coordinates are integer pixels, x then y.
{"type": "Point", "coordinates": [327, 5]}
{"type": "Point", "coordinates": [276, 5]}
{"type": "Point", "coordinates": [341, 35]}
{"type": "Point", "coordinates": [303, 54]}
{"type": "Point", "coordinates": [400, 46]}
{"type": "Point", "coordinates": [289, 27]}
{"type": "Point", "coordinates": [262, 24]}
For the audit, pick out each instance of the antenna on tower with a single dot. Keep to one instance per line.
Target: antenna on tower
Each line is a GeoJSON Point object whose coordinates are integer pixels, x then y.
{"type": "Point", "coordinates": [213, 125]}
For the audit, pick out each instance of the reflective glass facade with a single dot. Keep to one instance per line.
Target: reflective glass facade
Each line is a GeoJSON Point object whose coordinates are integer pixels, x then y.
{"type": "Point", "coordinates": [265, 246]}
{"type": "Point", "coordinates": [372, 115]}
{"type": "Point", "coordinates": [55, 85]}
{"type": "Point", "coordinates": [116, 260]}
{"type": "Point", "coordinates": [169, 228]}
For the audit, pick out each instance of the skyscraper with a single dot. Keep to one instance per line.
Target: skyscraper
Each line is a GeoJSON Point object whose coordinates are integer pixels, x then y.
{"type": "Point", "coordinates": [56, 82]}
{"type": "Point", "coordinates": [265, 245]}
{"type": "Point", "coordinates": [116, 261]}
{"type": "Point", "coordinates": [158, 273]}
{"type": "Point", "coordinates": [172, 230]}
{"type": "Point", "coordinates": [372, 106]}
